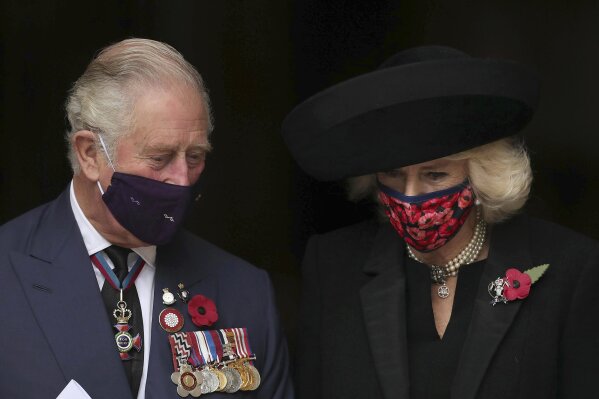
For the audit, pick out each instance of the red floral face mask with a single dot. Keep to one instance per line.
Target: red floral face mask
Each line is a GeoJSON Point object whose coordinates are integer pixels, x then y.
{"type": "Point", "coordinates": [427, 222]}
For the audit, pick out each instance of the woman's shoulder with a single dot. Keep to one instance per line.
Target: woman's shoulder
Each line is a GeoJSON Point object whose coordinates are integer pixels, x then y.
{"type": "Point", "coordinates": [551, 235]}
{"type": "Point", "coordinates": [350, 244]}
{"type": "Point", "coordinates": [566, 250]}
{"type": "Point", "coordinates": [352, 234]}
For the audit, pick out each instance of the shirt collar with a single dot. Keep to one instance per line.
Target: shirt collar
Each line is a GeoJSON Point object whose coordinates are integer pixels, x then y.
{"type": "Point", "coordinates": [94, 242]}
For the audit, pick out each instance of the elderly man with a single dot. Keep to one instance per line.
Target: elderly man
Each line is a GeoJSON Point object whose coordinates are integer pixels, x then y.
{"type": "Point", "coordinates": [100, 290]}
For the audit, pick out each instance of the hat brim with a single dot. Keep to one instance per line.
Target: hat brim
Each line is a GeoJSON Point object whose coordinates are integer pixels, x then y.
{"type": "Point", "coordinates": [409, 114]}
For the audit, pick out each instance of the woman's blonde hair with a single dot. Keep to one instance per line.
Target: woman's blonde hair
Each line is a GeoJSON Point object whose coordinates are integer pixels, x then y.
{"type": "Point", "coordinates": [500, 174]}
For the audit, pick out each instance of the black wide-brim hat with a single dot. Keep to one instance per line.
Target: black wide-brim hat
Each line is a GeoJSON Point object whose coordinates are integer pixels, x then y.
{"type": "Point", "coordinates": [421, 104]}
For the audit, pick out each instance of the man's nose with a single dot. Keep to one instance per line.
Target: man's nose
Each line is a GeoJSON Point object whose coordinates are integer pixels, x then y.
{"type": "Point", "coordinates": [178, 172]}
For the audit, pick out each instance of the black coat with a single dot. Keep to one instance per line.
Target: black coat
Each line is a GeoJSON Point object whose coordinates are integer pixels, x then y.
{"type": "Point", "coordinates": [353, 338]}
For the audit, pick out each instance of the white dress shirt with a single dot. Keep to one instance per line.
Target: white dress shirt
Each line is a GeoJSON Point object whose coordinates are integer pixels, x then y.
{"type": "Point", "coordinates": [144, 283]}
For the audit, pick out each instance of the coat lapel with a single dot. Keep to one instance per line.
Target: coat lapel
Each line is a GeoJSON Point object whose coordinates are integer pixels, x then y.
{"type": "Point", "coordinates": [509, 248]}
{"type": "Point", "coordinates": [57, 278]}
{"type": "Point", "coordinates": [173, 267]}
{"type": "Point", "coordinates": [384, 308]}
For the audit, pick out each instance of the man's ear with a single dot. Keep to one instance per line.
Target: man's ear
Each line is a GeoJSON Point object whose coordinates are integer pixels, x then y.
{"type": "Point", "coordinates": [84, 145]}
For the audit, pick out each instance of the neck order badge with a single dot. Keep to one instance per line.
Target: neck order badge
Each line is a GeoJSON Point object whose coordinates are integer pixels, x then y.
{"type": "Point", "coordinates": [125, 341]}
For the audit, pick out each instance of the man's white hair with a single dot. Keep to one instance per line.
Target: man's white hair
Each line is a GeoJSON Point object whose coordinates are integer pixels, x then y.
{"type": "Point", "coordinates": [103, 98]}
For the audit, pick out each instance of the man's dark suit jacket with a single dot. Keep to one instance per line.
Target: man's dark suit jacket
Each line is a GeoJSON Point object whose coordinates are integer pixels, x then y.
{"type": "Point", "coordinates": [353, 321]}
{"type": "Point", "coordinates": [55, 327]}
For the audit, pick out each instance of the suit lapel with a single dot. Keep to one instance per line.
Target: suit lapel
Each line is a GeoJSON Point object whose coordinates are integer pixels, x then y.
{"type": "Point", "coordinates": [509, 248]}
{"type": "Point", "coordinates": [383, 305]}
{"type": "Point", "coordinates": [173, 267]}
{"type": "Point", "coordinates": [71, 315]}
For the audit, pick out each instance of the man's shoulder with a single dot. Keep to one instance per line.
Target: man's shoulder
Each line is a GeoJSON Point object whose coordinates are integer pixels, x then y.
{"type": "Point", "coordinates": [220, 260]}
{"type": "Point", "coordinates": [16, 232]}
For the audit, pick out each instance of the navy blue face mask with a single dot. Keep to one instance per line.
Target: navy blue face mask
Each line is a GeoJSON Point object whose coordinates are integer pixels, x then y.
{"type": "Point", "coordinates": [151, 210]}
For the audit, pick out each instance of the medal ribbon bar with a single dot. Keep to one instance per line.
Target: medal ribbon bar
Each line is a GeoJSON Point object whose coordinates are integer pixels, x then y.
{"type": "Point", "coordinates": [185, 350]}
{"type": "Point", "coordinates": [201, 348]}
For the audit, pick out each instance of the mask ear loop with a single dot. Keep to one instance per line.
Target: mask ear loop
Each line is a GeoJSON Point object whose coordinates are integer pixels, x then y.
{"type": "Point", "coordinates": [109, 161]}
{"type": "Point", "coordinates": [106, 152]}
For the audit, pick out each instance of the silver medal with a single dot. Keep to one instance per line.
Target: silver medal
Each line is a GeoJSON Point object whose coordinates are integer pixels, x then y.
{"type": "Point", "coordinates": [210, 383]}
{"type": "Point", "coordinates": [167, 297]}
{"type": "Point", "coordinates": [234, 378]}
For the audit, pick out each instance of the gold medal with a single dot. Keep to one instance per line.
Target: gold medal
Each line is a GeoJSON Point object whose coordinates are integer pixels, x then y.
{"type": "Point", "coordinates": [245, 376]}
{"type": "Point", "coordinates": [255, 375]}
{"type": "Point", "coordinates": [222, 379]}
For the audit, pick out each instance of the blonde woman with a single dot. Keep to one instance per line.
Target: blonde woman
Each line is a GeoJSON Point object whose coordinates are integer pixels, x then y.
{"type": "Point", "coordinates": [453, 293]}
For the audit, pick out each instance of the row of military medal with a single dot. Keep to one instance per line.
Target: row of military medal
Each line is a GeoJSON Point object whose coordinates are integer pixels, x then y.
{"type": "Point", "coordinates": [213, 360]}
{"type": "Point", "coordinates": [209, 360]}
{"type": "Point", "coordinates": [239, 375]}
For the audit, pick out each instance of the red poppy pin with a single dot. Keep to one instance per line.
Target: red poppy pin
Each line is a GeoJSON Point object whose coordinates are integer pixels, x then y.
{"type": "Point", "coordinates": [202, 311]}
{"type": "Point", "coordinates": [515, 284]}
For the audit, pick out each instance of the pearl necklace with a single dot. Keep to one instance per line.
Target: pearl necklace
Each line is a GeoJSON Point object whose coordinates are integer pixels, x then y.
{"type": "Point", "coordinates": [440, 274]}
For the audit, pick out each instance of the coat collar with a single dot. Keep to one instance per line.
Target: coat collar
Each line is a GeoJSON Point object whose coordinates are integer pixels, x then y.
{"type": "Point", "coordinates": [71, 316]}
{"type": "Point", "coordinates": [180, 261]}
{"type": "Point", "coordinates": [509, 248]}
{"type": "Point", "coordinates": [384, 308]}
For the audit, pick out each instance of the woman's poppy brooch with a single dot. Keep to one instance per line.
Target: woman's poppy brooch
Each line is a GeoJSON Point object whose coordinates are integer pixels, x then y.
{"type": "Point", "coordinates": [202, 311]}
{"type": "Point", "coordinates": [515, 284]}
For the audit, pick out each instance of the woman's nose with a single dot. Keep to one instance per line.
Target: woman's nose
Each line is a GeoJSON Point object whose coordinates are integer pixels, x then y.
{"type": "Point", "coordinates": [411, 187]}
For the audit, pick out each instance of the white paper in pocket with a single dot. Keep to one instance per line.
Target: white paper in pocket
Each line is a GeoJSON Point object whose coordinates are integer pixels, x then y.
{"type": "Point", "coordinates": [73, 391]}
